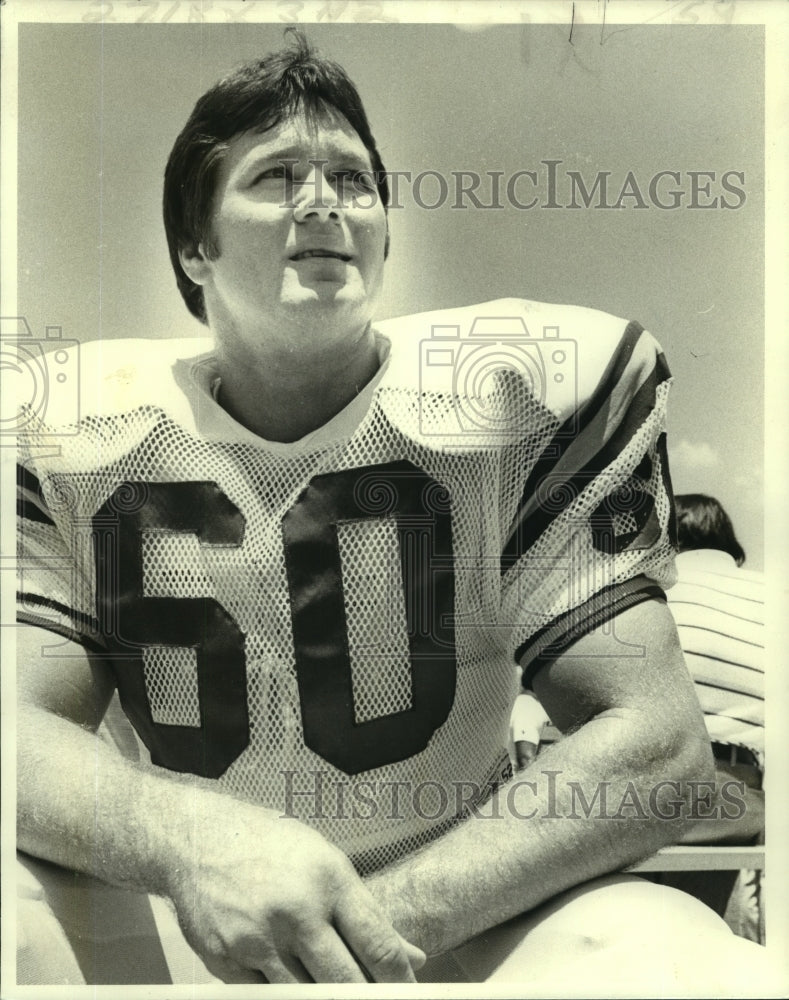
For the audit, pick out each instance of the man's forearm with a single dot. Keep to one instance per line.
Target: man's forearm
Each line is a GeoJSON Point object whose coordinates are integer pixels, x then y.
{"type": "Point", "coordinates": [254, 892]}
{"type": "Point", "coordinates": [83, 806]}
{"type": "Point", "coordinates": [593, 804]}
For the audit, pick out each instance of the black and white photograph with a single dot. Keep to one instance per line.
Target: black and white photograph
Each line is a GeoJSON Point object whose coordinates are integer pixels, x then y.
{"type": "Point", "coordinates": [394, 452]}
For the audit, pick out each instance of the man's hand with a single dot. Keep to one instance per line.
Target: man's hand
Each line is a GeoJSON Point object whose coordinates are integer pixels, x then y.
{"type": "Point", "coordinates": [271, 896]}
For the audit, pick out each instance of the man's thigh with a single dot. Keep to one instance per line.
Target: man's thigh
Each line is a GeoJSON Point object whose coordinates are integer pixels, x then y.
{"type": "Point", "coordinates": [73, 929]}
{"type": "Point", "coordinates": [616, 935]}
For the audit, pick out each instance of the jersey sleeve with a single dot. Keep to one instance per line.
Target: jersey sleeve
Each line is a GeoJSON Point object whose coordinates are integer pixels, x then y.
{"type": "Point", "coordinates": [594, 530]}
{"type": "Point", "coordinates": [51, 591]}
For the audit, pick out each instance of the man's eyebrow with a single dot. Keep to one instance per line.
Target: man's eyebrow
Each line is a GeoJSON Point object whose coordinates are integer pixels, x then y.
{"type": "Point", "coordinates": [292, 153]}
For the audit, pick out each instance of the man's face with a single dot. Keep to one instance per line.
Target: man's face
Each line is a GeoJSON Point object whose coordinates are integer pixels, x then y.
{"type": "Point", "coordinates": [299, 239]}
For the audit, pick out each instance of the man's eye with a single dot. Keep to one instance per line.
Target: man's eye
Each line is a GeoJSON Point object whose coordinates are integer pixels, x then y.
{"type": "Point", "coordinates": [359, 180]}
{"type": "Point", "coordinates": [271, 173]}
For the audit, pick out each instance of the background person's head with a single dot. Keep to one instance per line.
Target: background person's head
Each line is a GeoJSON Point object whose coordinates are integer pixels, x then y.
{"type": "Point", "coordinates": [255, 97]}
{"type": "Point", "coordinates": [702, 523]}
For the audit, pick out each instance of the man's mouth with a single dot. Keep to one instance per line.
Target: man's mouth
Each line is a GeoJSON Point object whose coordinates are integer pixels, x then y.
{"type": "Point", "coordinates": [333, 254]}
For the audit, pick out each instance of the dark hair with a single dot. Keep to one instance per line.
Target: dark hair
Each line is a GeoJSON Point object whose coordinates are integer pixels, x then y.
{"type": "Point", "coordinates": [256, 96]}
{"type": "Point", "coordinates": [702, 523]}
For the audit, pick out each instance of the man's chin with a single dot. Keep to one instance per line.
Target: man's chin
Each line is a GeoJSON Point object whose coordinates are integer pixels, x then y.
{"type": "Point", "coordinates": [327, 296]}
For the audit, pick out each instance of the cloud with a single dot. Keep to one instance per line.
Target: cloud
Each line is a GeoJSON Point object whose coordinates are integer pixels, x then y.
{"type": "Point", "coordinates": [750, 481]}
{"type": "Point", "coordinates": [694, 456]}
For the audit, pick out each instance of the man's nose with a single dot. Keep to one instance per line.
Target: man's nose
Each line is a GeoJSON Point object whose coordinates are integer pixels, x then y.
{"type": "Point", "coordinates": [316, 197]}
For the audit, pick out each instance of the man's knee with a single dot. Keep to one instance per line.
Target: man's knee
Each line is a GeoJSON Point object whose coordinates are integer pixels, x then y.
{"type": "Point", "coordinates": [74, 928]}
{"type": "Point", "coordinates": [44, 956]}
{"type": "Point", "coordinates": [606, 912]}
{"type": "Point", "coordinates": [620, 923]}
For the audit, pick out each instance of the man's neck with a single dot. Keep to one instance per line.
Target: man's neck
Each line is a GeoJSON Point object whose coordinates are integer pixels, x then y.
{"type": "Point", "coordinates": [287, 397]}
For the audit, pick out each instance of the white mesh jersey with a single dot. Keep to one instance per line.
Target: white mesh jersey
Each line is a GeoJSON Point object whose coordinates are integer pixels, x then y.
{"type": "Point", "coordinates": [332, 627]}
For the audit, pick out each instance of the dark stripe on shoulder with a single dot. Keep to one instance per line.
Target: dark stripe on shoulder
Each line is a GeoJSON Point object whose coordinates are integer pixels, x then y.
{"type": "Point", "coordinates": [662, 450]}
{"type": "Point", "coordinates": [36, 600]}
{"type": "Point", "coordinates": [555, 638]}
{"type": "Point", "coordinates": [564, 435]}
{"type": "Point", "coordinates": [26, 479]}
{"type": "Point", "coordinates": [571, 429]}
{"type": "Point", "coordinates": [30, 511]}
{"type": "Point", "coordinates": [565, 491]}
{"type": "Point", "coordinates": [29, 502]}
{"type": "Point", "coordinates": [57, 628]}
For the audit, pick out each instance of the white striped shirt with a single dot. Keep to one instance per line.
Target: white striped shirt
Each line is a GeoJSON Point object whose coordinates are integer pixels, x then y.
{"type": "Point", "coordinates": [719, 611]}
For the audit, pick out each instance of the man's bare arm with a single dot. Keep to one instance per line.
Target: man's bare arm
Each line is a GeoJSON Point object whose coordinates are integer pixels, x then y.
{"type": "Point", "coordinates": [633, 723]}
{"type": "Point", "coordinates": [253, 891]}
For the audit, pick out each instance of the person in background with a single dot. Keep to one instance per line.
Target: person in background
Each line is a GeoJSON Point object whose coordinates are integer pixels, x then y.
{"type": "Point", "coordinates": [719, 611]}
{"type": "Point", "coordinates": [527, 722]}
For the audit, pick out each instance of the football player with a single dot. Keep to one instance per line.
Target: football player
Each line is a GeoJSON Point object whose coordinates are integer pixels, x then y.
{"type": "Point", "coordinates": [310, 555]}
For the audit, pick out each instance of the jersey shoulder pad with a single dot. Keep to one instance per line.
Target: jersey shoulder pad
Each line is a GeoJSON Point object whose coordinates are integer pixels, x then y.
{"type": "Point", "coordinates": [102, 379]}
{"type": "Point", "coordinates": [101, 397]}
{"type": "Point", "coordinates": [563, 352]}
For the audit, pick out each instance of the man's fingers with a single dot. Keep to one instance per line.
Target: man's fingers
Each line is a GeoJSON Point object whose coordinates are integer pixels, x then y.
{"type": "Point", "coordinates": [284, 969]}
{"type": "Point", "coordinates": [236, 974]}
{"type": "Point", "coordinates": [253, 965]}
{"type": "Point", "coordinates": [327, 959]}
{"type": "Point", "coordinates": [231, 972]}
{"type": "Point", "coordinates": [415, 955]}
{"type": "Point", "coordinates": [372, 939]}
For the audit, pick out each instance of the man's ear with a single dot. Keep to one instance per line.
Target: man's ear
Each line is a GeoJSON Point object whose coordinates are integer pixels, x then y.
{"type": "Point", "coordinates": [195, 263]}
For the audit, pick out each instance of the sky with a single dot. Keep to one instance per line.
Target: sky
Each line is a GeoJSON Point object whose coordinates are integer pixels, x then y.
{"type": "Point", "coordinates": [654, 109]}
